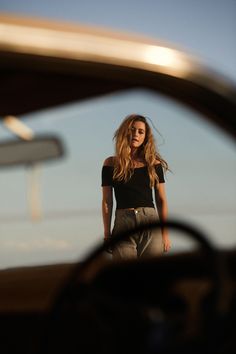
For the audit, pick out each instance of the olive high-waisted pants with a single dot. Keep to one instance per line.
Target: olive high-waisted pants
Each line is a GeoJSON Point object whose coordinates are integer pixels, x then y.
{"type": "Point", "coordinates": [141, 244]}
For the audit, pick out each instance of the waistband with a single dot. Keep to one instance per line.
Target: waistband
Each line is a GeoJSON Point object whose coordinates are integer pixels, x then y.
{"type": "Point", "coordinates": [135, 210]}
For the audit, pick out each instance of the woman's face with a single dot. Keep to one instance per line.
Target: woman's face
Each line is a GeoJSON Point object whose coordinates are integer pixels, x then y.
{"type": "Point", "coordinates": [138, 133]}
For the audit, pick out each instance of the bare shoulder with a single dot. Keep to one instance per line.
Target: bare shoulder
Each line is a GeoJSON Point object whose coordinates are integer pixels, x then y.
{"type": "Point", "coordinates": [109, 161]}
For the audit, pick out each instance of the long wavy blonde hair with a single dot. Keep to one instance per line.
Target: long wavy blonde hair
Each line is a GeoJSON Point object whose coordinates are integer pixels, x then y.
{"type": "Point", "coordinates": [123, 165]}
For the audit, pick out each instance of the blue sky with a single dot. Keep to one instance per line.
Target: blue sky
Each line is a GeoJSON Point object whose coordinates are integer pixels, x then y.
{"type": "Point", "coordinates": [201, 188]}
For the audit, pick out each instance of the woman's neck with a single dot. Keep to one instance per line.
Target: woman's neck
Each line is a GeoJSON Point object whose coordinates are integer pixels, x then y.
{"type": "Point", "coordinates": [137, 158]}
{"type": "Point", "coordinates": [134, 154]}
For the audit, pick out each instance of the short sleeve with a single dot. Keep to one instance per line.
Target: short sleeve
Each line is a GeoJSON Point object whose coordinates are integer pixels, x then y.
{"type": "Point", "coordinates": [159, 172]}
{"type": "Point", "coordinates": [107, 174]}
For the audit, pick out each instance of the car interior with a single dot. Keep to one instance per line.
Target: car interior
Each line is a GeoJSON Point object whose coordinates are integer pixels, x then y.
{"type": "Point", "coordinates": [182, 302]}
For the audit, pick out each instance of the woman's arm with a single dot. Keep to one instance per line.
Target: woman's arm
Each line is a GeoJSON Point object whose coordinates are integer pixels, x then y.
{"type": "Point", "coordinates": [107, 205]}
{"type": "Point", "coordinates": [161, 204]}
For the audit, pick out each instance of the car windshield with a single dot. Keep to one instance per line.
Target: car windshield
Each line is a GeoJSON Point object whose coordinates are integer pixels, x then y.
{"type": "Point", "coordinates": [65, 222]}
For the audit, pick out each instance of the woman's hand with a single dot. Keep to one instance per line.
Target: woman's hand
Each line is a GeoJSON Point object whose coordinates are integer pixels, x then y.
{"type": "Point", "coordinates": [106, 242]}
{"type": "Point", "coordinates": [166, 242]}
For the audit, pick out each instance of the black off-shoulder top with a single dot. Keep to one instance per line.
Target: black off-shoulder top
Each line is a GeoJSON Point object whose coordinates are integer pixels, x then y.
{"type": "Point", "coordinates": [134, 193]}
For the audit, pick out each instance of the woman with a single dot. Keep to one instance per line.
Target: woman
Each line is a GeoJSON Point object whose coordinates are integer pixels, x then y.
{"type": "Point", "coordinates": [135, 170]}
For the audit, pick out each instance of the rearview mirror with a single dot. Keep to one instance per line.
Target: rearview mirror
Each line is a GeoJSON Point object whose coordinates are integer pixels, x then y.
{"type": "Point", "coordinates": [24, 152]}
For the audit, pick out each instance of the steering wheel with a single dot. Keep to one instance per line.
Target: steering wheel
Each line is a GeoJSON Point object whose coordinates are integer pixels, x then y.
{"type": "Point", "coordinates": [168, 304]}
